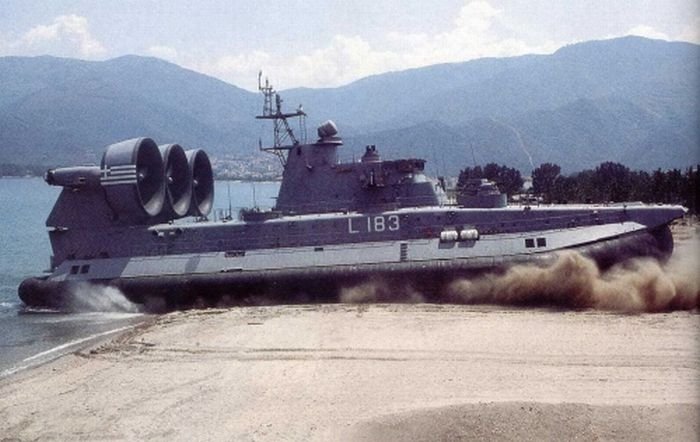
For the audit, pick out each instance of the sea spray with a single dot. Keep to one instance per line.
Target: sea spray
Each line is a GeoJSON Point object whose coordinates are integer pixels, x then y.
{"type": "Point", "coordinates": [86, 297]}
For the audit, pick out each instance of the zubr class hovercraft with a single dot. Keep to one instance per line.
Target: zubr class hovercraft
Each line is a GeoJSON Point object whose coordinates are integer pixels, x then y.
{"type": "Point", "coordinates": [334, 225]}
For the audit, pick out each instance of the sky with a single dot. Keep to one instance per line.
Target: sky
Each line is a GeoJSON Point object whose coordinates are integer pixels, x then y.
{"type": "Point", "coordinates": [327, 43]}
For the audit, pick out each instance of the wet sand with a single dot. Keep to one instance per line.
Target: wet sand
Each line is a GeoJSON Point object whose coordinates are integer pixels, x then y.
{"type": "Point", "coordinates": [371, 372]}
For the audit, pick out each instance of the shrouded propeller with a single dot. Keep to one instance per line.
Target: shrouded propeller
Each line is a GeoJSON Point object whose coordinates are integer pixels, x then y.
{"type": "Point", "coordinates": [132, 177]}
{"type": "Point", "coordinates": [178, 181]}
{"type": "Point", "coordinates": [202, 182]}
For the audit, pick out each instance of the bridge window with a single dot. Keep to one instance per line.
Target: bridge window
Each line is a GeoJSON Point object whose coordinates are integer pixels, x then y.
{"type": "Point", "coordinates": [529, 243]}
{"type": "Point", "coordinates": [541, 242]}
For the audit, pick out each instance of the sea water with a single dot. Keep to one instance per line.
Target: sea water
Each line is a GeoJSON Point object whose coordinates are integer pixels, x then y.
{"type": "Point", "coordinates": [29, 337]}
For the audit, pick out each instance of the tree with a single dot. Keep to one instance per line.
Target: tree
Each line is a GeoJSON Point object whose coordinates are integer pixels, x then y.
{"type": "Point", "coordinates": [691, 195]}
{"type": "Point", "coordinates": [608, 182]}
{"type": "Point", "coordinates": [507, 179]}
{"type": "Point", "coordinates": [492, 171]}
{"type": "Point", "coordinates": [658, 186]}
{"type": "Point", "coordinates": [640, 186]}
{"type": "Point", "coordinates": [612, 181]}
{"type": "Point", "coordinates": [676, 184]}
{"type": "Point", "coordinates": [543, 179]}
{"type": "Point", "coordinates": [585, 189]}
{"type": "Point", "coordinates": [468, 174]}
{"type": "Point", "coordinates": [564, 190]}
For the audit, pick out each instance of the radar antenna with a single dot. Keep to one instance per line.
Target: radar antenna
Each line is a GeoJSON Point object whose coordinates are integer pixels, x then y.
{"type": "Point", "coordinates": [282, 131]}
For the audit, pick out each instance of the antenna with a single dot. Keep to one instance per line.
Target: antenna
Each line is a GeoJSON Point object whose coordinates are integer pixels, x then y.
{"type": "Point", "coordinates": [255, 201]}
{"type": "Point", "coordinates": [282, 132]}
{"type": "Point", "coordinates": [267, 91]}
{"type": "Point", "coordinates": [230, 209]}
{"type": "Point", "coordinates": [435, 161]}
{"type": "Point", "coordinates": [471, 145]}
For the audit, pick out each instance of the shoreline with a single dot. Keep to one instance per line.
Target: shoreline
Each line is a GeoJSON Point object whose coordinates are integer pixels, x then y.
{"type": "Point", "coordinates": [367, 372]}
{"type": "Point", "coordinates": [50, 355]}
{"type": "Point", "coordinates": [79, 343]}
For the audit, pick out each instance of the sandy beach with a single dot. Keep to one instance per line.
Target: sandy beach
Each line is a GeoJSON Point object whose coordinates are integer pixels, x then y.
{"type": "Point", "coordinates": [371, 372]}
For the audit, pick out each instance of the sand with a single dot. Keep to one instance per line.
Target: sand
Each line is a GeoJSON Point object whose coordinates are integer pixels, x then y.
{"type": "Point", "coordinates": [371, 372]}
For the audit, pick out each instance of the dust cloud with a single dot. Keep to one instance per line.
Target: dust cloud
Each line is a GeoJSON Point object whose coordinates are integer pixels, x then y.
{"type": "Point", "coordinates": [570, 281]}
{"type": "Point", "coordinates": [87, 297]}
{"type": "Point", "coordinates": [574, 281]}
{"type": "Point", "coordinates": [380, 290]}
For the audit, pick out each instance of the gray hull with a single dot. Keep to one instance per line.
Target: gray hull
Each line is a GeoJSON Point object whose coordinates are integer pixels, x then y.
{"type": "Point", "coordinates": [322, 283]}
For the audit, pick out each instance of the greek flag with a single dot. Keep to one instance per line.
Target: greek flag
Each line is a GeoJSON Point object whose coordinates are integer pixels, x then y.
{"type": "Point", "coordinates": [114, 175]}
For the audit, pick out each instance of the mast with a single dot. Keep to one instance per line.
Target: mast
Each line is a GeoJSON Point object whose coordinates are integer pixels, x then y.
{"type": "Point", "coordinates": [284, 138]}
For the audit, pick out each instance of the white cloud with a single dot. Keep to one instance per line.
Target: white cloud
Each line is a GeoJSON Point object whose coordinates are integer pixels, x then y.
{"type": "Point", "coordinates": [67, 35]}
{"type": "Point", "coordinates": [691, 32]}
{"type": "Point", "coordinates": [242, 63]}
{"type": "Point", "coordinates": [164, 52]}
{"type": "Point", "coordinates": [648, 32]}
{"type": "Point", "coordinates": [240, 70]}
{"type": "Point", "coordinates": [71, 29]}
{"type": "Point", "coordinates": [344, 60]}
{"type": "Point", "coordinates": [473, 35]}
{"type": "Point", "coordinates": [476, 32]}
{"type": "Point", "coordinates": [41, 33]}
{"type": "Point", "coordinates": [476, 16]}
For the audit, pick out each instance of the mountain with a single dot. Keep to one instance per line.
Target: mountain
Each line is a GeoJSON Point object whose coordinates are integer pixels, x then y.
{"type": "Point", "coordinates": [630, 100]}
{"type": "Point", "coordinates": [55, 111]}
